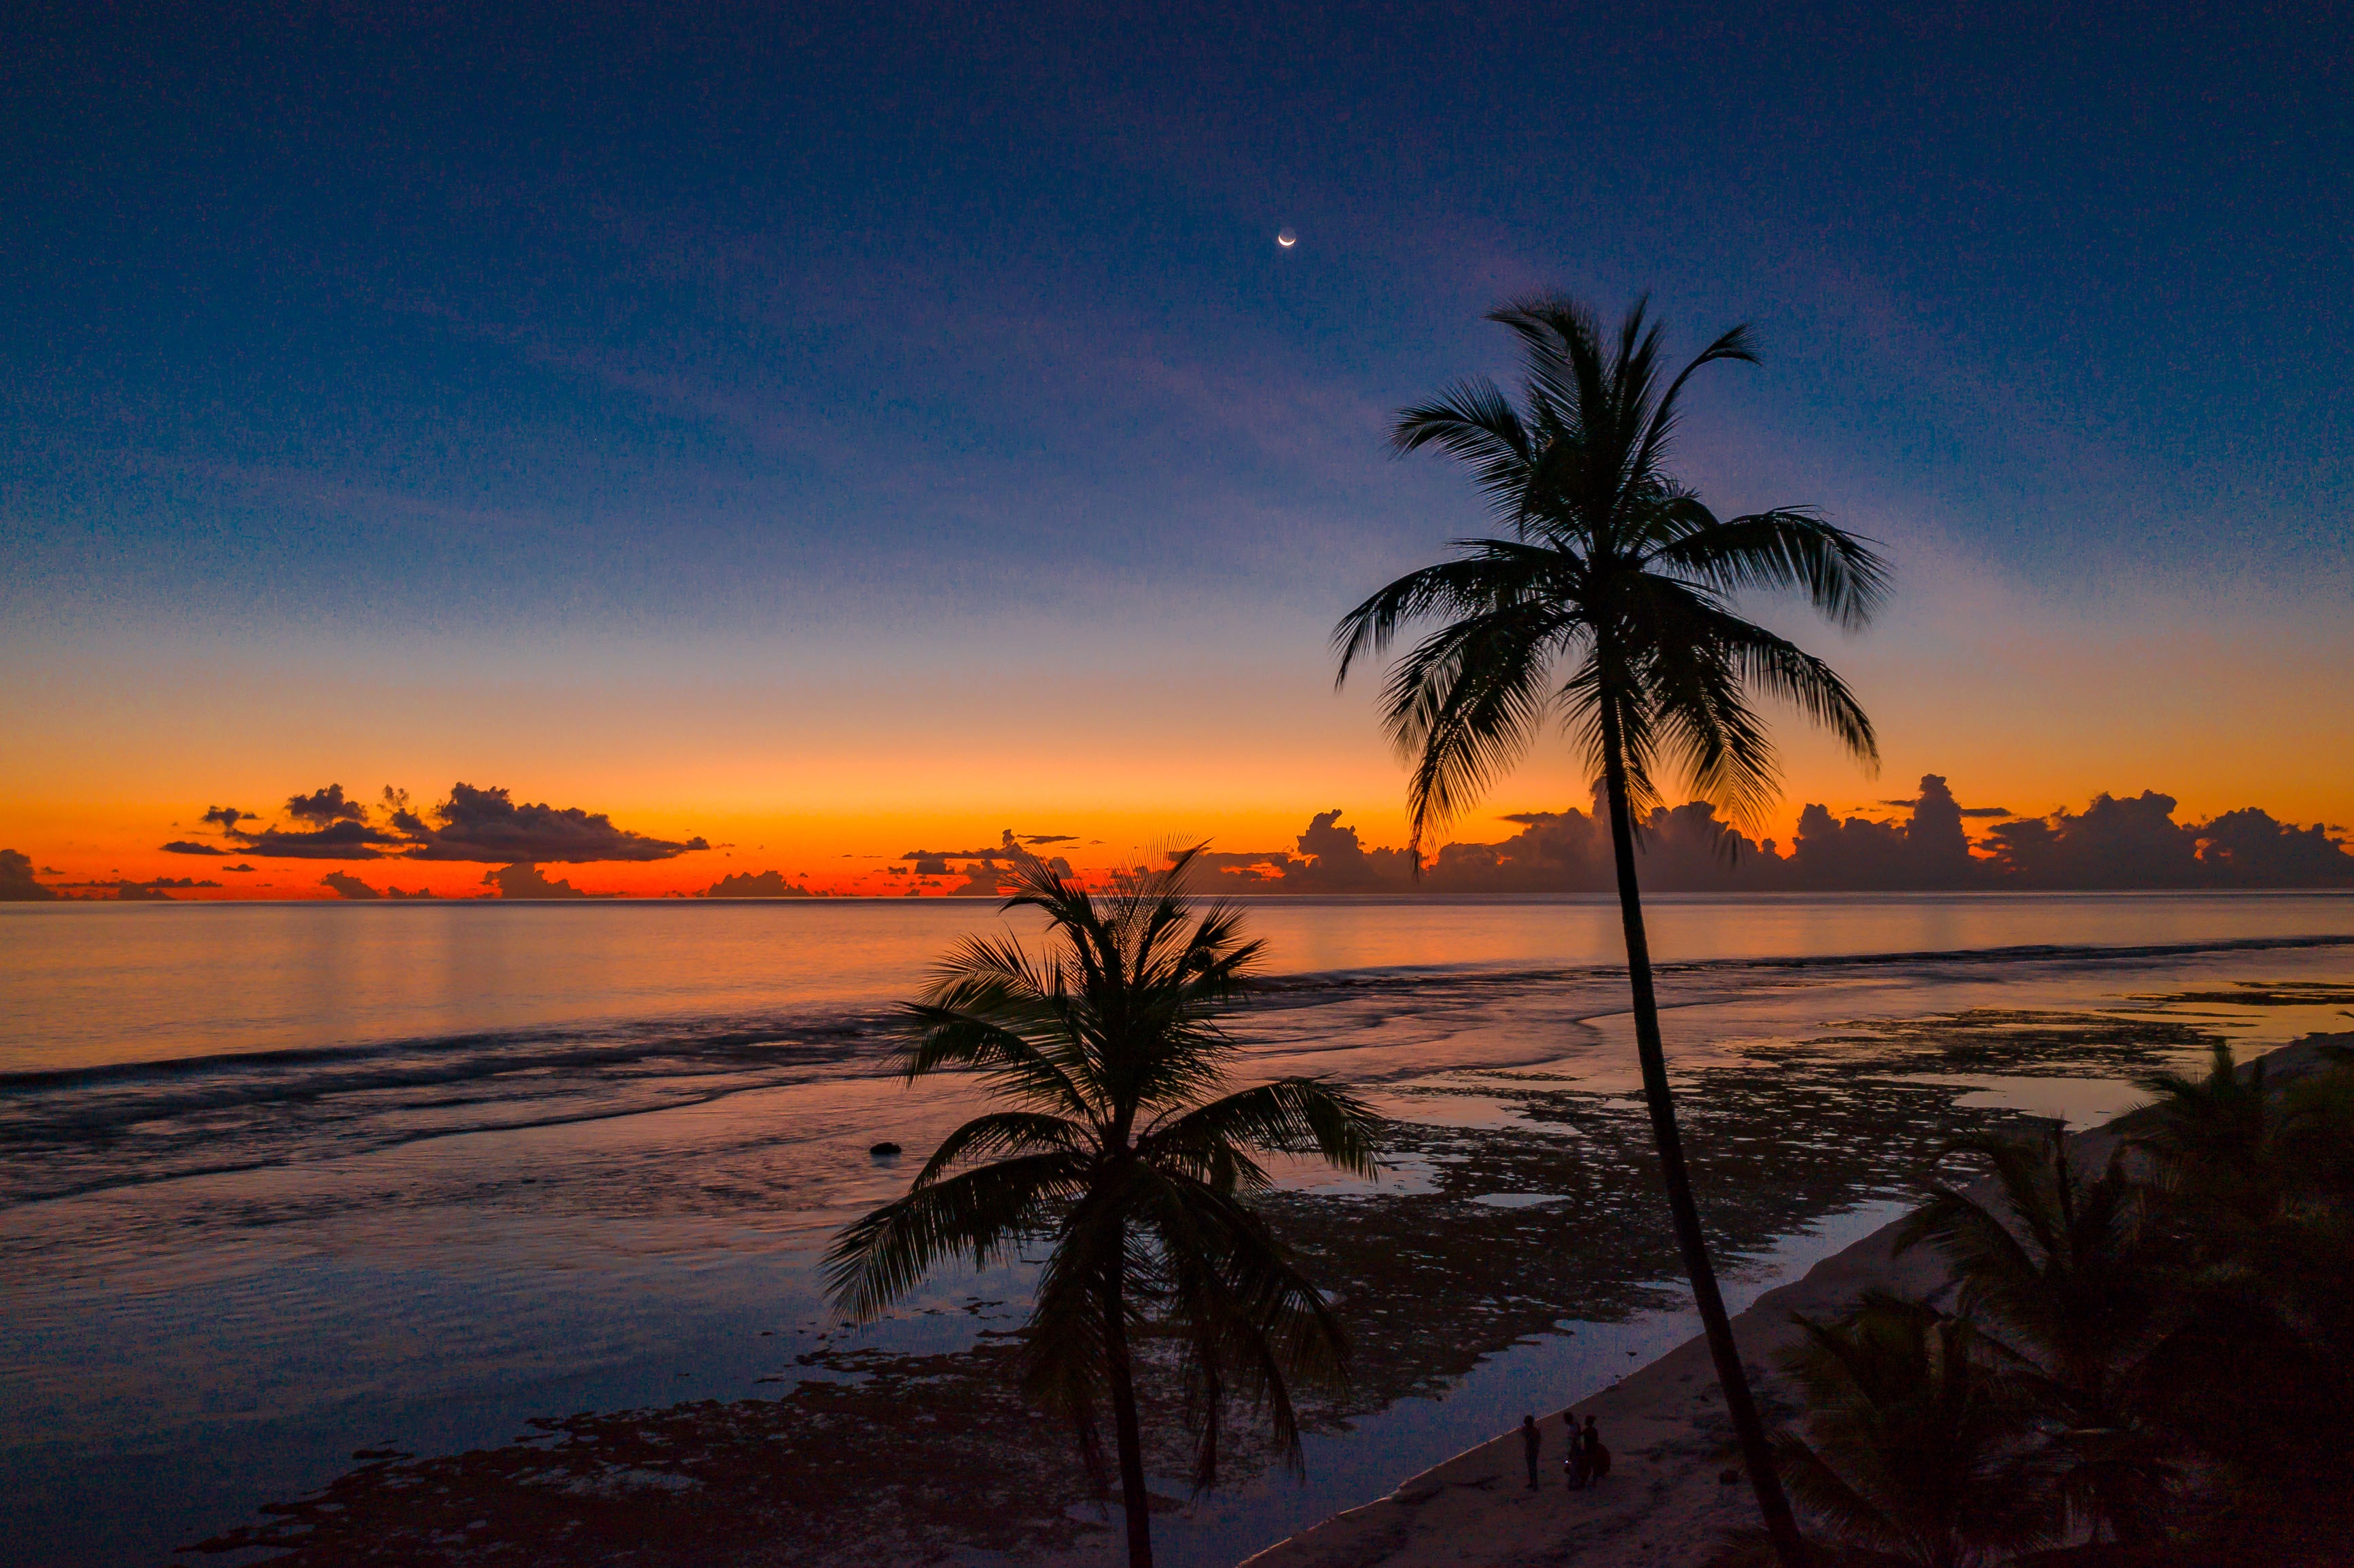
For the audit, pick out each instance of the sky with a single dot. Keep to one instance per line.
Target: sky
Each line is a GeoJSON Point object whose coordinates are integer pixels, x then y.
{"type": "Point", "coordinates": [832, 433]}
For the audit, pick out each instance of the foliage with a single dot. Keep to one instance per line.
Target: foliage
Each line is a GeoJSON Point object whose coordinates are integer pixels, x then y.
{"type": "Point", "coordinates": [2164, 1346]}
{"type": "Point", "coordinates": [1912, 1452]}
{"type": "Point", "coordinates": [1122, 1153]}
{"type": "Point", "coordinates": [2061, 1266]}
{"type": "Point", "coordinates": [2252, 1189]}
{"type": "Point", "coordinates": [1611, 600]}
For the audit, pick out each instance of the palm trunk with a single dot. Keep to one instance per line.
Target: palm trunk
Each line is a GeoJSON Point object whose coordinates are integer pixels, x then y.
{"type": "Point", "coordinates": [1126, 1433]}
{"type": "Point", "coordinates": [1756, 1455]}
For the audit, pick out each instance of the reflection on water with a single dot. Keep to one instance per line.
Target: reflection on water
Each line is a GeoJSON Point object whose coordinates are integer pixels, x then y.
{"type": "Point", "coordinates": [418, 1175]}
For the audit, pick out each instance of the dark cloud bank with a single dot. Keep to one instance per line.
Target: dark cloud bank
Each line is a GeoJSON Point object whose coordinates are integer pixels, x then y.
{"type": "Point", "coordinates": [2134, 842]}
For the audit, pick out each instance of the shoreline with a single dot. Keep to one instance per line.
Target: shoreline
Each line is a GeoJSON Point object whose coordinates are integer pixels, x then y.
{"type": "Point", "coordinates": [1666, 1503]}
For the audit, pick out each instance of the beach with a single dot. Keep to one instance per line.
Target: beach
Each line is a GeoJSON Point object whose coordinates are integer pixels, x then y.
{"type": "Point", "coordinates": [1674, 1490]}
{"type": "Point", "coordinates": [539, 1237]}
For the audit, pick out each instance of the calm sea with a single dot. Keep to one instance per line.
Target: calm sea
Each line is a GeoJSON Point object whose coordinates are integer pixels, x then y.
{"type": "Point", "coordinates": [280, 1181]}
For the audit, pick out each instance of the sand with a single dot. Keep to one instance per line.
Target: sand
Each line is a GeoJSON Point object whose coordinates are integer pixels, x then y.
{"type": "Point", "coordinates": [1665, 1503]}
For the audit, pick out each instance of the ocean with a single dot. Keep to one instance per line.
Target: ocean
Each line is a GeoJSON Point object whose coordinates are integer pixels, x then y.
{"type": "Point", "coordinates": [281, 1183]}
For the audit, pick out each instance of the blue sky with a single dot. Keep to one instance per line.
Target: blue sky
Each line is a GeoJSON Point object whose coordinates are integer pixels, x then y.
{"type": "Point", "coordinates": [590, 349]}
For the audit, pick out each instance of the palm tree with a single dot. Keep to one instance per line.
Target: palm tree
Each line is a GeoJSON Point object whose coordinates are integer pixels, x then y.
{"type": "Point", "coordinates": [1910, 1454]}
{"type": "Point", "coordinates": [1608, 607]}
{"type": "Point", "coordinates": [2063, 1265]}
{"type": "Point", "coordinates": [1120, 1154]}
{"type": "Point", "coordinates": [2249, 1186]}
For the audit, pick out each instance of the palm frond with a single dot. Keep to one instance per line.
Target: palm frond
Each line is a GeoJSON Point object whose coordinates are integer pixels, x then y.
{"type": "Point", "coordinates": [1293, 1115]}
{"type": "Point", "coordinates": [1007, 1132]}
{"type": "Point", "coordinates": [1474, 423]}
{"type": "Point", "coordinates": [981, 1216]}
{"type": "Point", "coordinates": [1466, 704]}
{"type": "Point", "coordinates": [1791, 547]}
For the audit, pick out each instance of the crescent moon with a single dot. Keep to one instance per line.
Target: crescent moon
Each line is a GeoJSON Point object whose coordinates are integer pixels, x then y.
{"type": "Point", "coordinates": [1287, 239]}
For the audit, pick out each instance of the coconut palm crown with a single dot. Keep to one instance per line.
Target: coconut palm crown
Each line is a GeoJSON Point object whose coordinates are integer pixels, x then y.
{"type": "Point", "coordinates": [1607, 607]}
{"type": "Point", "coordinates": [1123, 1157]}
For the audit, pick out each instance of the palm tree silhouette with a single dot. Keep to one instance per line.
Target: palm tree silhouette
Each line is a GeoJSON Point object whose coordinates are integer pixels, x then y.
{"type": "Point", "coordinates": [1120, 1154]}
{"type": "Point", "coordinates": [1909, 1453]}
{"type": "Point", "coordinates": [2060, 1262]}
{"type": "Point", "coordinates": [1609, 608]}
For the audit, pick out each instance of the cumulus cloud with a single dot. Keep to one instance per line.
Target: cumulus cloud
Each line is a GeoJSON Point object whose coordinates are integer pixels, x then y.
{"type": "Point", "coordinates": [236, 868]}
{"type": "Point", "coordinates": [17, 884]}
{"type": "Point", "coordinates": [326, 806]}
{"type": "Point", "coordinates": [526, 881]}
{"type": "Point", "coordinates": [487, 825]}
{"type": "Point", "coordinates": [2250, 848]}
{"type": "Point", "coordinates": [744, 884]}
{"type": "Point", "coordinates": [227, 817]}
{"type": "Point", "coordinates": [346, 885]}
{"type": "Point", "coordinates": [188, 846]}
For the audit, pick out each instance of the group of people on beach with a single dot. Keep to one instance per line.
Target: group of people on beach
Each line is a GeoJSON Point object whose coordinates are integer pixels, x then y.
{"type": "Point", "coordinates": [1588, 1460]}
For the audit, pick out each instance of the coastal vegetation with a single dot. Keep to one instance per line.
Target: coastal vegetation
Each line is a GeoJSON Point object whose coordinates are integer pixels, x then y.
{"type": "Point", "coordinates": [2147, 1362]}
{"type": "Point", "coordinates": [1123, 1157]}
{"type": "Point", "coordinates": [1608, 609]}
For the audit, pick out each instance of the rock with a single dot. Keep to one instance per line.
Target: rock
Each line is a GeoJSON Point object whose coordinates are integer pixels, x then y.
{"type": "Point", "coordinates": [884, 1150]}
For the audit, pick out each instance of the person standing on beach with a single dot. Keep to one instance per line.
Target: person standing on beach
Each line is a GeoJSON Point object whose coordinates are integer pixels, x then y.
{"type": "Point", "coordinates": [1531, 1441]}
{"type": "Point", "coordinates": [1574, 1464]}
{"type": "Point", "coordinates": [1590, 1449]}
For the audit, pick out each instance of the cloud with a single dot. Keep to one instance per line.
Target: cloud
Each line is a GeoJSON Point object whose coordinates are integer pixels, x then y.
{"type": "Point", "coordinates": [982, 879]}
{"type": "Point", "coordinates": [988, 872]}
{"type": "Point", "coordinates": [744, 884]}
{"type": "Point", "coordinates": [487, 825]}
{"type": "Point", "coordinates": [2249, 848]}
{"type": "Point", "coordinates": [2113, 843]}
{"type": "Point", "coordinates": [236, 868]}
{"type": "Point", "coordinates": [326, 806]}
{"type": "Point", "coordinates": [1010, 845]}
{"type": "Point", "coordinates": [481, 825]}
{"type": "Point", "coordinates": [17, 884]}
{"type": "Point", "coordinates": [338, 841]}
{"type": "Point", "coordinates": [526, 881]}
{"type": "Point", "coordinates": [346, 885]}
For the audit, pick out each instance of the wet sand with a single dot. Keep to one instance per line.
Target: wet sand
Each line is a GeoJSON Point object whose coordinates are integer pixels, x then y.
{"type": "Point", "coordinates": [1667, 1502]}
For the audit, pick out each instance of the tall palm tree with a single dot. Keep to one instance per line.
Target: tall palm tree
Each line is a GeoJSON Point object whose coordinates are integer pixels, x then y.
{"type": "Point", "coordinates": [1119, 1152]}
{"type": "Point", "coordinates": [1608, 607]}
{"type": "Point", "coordinates": [2061, 1262]}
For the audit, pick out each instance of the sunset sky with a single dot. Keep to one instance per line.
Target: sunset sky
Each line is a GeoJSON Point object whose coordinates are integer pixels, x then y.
{"type": "Point", "coordinates": [836, 432]}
